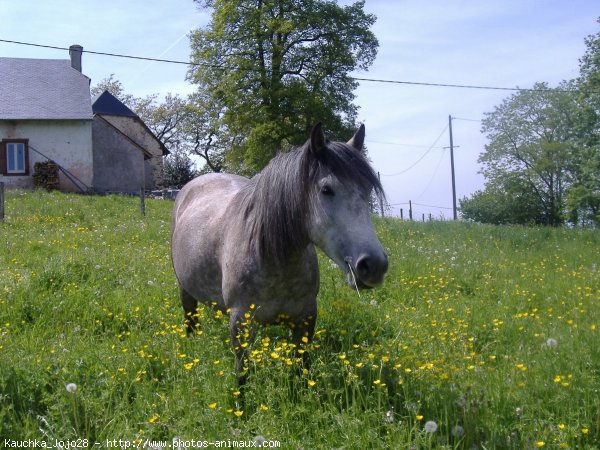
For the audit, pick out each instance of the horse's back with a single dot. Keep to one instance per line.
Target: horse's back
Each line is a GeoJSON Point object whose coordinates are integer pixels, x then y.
{"type": "Point", "coordinates": [198, 228]}
{"type": "Point", "coordinates": [207, 192]}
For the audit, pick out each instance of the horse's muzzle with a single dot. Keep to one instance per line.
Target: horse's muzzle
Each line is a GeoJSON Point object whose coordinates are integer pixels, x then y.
{"type": "Point", "coordinates": [369, 270]}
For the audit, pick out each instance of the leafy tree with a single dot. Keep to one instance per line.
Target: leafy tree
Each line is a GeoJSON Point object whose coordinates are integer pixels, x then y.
{"type": "Point", "coordinates": [272, 68]}
{"type": "Point", "coordinates": [584, 197]}
{"type": "Point", "coordinates": [178, 169]}
{"type": "Point", "coordinates": [530, 147]}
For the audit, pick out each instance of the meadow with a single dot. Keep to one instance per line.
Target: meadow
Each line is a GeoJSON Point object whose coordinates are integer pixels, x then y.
{"type": "Point", "coordinates": [481, 337]}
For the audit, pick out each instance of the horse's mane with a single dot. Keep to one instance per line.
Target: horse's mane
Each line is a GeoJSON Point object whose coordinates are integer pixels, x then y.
{"type": "Point", "coordinates": [277, 201]}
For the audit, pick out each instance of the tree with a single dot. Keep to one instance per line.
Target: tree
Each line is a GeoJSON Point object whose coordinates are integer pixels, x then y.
{"type": "Point", "coordinates": [178, 169]}
{"type": "Point", "coordinates": [272, 68]}
{"type": "Point", "coordinates": [584, 197]}
{"type": "Point", "coordinates": [530, 155]}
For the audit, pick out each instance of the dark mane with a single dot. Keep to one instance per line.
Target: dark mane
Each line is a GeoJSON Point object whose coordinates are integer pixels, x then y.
{"type": "Point", "coordinates": [277, 201]}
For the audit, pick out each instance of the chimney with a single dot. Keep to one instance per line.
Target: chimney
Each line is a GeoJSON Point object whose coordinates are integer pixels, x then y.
{"type": "Point", "coordinates": [75, 52]}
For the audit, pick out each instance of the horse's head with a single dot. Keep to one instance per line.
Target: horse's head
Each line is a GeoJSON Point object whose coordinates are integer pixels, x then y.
{"type": "Point", "coordinates": [342, 183]}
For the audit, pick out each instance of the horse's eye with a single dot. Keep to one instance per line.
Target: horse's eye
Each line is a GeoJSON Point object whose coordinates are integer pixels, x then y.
{"type": "Point", "coordinates": [326, 190]}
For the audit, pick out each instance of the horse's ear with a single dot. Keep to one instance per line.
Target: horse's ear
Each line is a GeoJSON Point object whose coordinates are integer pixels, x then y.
{"type": "Point", "coordinates": [358, 139]}
{"type": "Point", "coordinates": [318, 142]}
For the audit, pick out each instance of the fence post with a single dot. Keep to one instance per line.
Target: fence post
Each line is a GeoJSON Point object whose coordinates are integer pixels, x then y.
{"type": "Point", "coordinates": [1, 200]}
{"type": "Point", "coordinates": [143, 201]}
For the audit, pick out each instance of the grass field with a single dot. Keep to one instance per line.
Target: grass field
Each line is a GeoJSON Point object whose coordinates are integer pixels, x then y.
{"type": "Point", "coordinates": [482, 337]}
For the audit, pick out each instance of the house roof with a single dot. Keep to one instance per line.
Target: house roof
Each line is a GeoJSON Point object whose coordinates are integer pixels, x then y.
{"type": "Point", "coordinates": [43, 89]}
{"type": "Point", "coordinates": [108, 104]}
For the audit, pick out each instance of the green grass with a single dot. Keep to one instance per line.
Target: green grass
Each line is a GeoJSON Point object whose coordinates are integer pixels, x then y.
{"type": "Point", "coordinates": [490, 332]}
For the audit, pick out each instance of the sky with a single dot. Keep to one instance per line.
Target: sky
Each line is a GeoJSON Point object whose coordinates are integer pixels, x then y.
{"type": "Point", "coordinates": [508, 43]}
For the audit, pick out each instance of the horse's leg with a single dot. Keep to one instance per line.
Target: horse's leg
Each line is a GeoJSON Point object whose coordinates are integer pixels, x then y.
{"type": "Point", "coordinates": [190, 311]}
{"type": "Point", "coordinates": [302, 333]}
{"type": "Point", "coordinates": [241, 330]}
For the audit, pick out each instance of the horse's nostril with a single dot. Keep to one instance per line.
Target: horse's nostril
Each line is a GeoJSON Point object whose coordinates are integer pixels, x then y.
{"type": "Point", "coordinates": [371, 267]}
{"type": "Point", "coordinates": [363, 266]}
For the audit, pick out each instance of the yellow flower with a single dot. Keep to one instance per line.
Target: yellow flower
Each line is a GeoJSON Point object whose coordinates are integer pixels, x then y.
{"type": "Point", "coordinates": [154, 418]}
{"type": "Point", "coordinates": [561, 426]}
{"type": "Point", "coordinates": [540, 444]}
{"type": "Point", "coordinates": [238, 413]}
{"type": "Point", "coordinates": [419, 417]}
{"type": "Point", "coordinates": [188, 366]}
{"type": "Point", "coordinates": [311, 383]}
{"type": "Point", "coordinates": [263, 407]}
{"type": "Point", "coordinates": [212, 405]}
{"type": "Point", "coordinates": [585, 430]}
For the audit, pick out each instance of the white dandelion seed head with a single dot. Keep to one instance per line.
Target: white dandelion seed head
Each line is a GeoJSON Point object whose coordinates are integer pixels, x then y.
{"type": "Point", "coordinates": [389, 416]}
{"type": "Point", "coordinates": [551, 343]}
{"type": "Point", "coordinates": [71, 388]}
{"type": "Point", "coordinates": [259, 440]}
{"type": "Point", "coordinates": [458, 431]}
{"type": "Point", "coordinates": [430, 426]}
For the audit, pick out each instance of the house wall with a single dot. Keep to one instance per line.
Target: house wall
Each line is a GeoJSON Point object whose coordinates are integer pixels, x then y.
{"type": "Point", "coordinates": [118, 163]}
{"type": "Point", "coordinates": [133, 128]}
{"type": "Point", "coordinates": [67, 142]}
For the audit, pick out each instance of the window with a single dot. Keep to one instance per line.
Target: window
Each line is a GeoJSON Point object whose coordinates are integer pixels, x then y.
{"type": "Point", "coordinates": [14, 157]}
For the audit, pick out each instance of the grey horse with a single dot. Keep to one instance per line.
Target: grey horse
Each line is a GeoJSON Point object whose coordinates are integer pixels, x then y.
{"type": "Point", "coordinates": [246, 246]}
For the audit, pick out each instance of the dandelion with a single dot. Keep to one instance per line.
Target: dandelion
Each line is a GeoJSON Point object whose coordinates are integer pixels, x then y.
{"type": "Point", "coordinates": [585, 430]}
{"type": "Point", "coordinates": [259, 440]}
{"type": "Point", "coordinates": [430, 426]}
{"type": "Point", "coordinates": [540, 444]}
{"type": "Point", "coordinates": [238, 413]}
{"type": "Point", "coordinates": [212, 405]}
{"type": "Point", "coordinates": [264, 407]}
{"type": "Point", "coordinates": [458, 431]}
{"type": "Point", "coordinates": [71, 388]}
{"type": "Point", "coordinates": [551, 343]}
{"type": "Point", "coordinates": [419, 417]}
{"type": "Point", "coordinates": [389, 416]}
{"type": "Point", "coordinates": [154, 418]}
{"type": "Point", "coordinates": [311, 383]}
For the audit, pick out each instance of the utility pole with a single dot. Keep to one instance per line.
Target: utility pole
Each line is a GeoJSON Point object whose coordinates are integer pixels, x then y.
{"type": "Point", "coordinates": [452, 169]}
{"type": "Point", "coordinates": [380, 198]}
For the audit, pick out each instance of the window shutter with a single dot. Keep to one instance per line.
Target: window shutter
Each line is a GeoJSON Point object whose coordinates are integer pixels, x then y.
{"type": "Point", "coordinates": [2, 158]}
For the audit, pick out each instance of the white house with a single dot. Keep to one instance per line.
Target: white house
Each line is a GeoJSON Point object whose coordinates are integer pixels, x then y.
{"type": "Point", "coordinates": [46, 113]}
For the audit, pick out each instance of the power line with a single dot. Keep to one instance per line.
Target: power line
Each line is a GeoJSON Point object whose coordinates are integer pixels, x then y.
{"type": "Point", "coordinates": [399, 144]}
{"type": "Point", "coordinates": [371, 80]}
{"type": "Point", "coordinates": [420, 158]}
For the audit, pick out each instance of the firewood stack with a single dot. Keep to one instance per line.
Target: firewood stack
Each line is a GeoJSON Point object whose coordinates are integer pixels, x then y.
{"type": "Point", "coordinates": [45, 175]}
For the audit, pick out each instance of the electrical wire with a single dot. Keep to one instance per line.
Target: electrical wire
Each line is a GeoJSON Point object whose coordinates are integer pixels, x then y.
{"type": "Point", "coordinates": [418, 160]}
{"type": "Point", "coordinates": [371, 80]}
